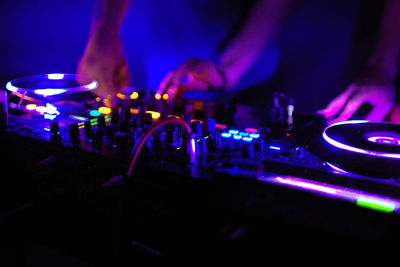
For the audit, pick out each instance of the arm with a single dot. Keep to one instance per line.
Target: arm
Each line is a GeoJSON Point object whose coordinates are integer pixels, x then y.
{"type": "Point", "coordinates": [264, 21]}
{"type": "Point", "coordinates": [259, 29]}
{"type": "Point", "coordinates": [377, 86]}
{"type": "Point", "coordinates": [108, 16]}
{"type": "Point", "coordinates": [103, 57]}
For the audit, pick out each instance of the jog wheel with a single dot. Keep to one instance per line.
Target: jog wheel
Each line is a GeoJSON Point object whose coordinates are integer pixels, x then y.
{"type": "Point", "coordinates": [362, 147]}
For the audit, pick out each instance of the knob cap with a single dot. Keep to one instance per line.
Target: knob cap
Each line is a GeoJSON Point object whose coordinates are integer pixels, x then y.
{"type": "Point", "coordinates": [54, 127]}
{"type": "Point", "coordinates": [115, 118]}
{"type": "Point", "coordinates": [87, 129]}
{"type": "Point", "coordinates": [259, 145]}
{"type": "Point", "coordinates": [136, 123]}
{"type": "Point", "coordinates": [210, 125]}
{"type": "Point", "coordinates": [247, 150]}
{"type": "Point", "coordinates": [171, 138]}
{"type": "Point", "coordinates": [196, 128]}
{"type": "Point", "coordinates": [101, 122]}
{"type": "Point", "coordinates": [74, 132]}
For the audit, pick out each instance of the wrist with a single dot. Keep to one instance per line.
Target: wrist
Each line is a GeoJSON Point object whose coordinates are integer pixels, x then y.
{"type": "Point", "coordinates": [228, 76]}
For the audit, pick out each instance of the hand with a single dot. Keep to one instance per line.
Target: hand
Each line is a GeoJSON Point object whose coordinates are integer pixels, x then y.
{"type": "Point", "coordinates": [193, 74]}
{"type": "Point", "coordinates": [377, 91]}
{"type": "Point", "coordinates": [103, 61]}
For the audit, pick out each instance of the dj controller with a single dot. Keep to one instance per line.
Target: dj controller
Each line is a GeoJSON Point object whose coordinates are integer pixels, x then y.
{"type": "Point", "coordinates": [294, 176]}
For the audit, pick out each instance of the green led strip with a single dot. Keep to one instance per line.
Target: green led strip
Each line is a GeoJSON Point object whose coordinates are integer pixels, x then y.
{"type": "Point", "coordinates": [375, 204]}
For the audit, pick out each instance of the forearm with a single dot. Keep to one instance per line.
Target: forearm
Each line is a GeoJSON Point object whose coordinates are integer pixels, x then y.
{"type": "Point", "coordinates": [385, 57]}
{"type": "Point", "coordinates": [108, 17]}
{"type": "Point", "coordinates": [263, 22]}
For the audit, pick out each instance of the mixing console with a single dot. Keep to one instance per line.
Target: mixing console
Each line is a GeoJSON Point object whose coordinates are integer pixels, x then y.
{"type": "Point", "coordinates": [248, 166]}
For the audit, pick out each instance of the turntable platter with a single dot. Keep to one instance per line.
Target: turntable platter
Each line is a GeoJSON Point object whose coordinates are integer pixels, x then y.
{"type": "Point", "coordinates": [367, 148]}
{"type": "Point", "coordinates": [51, 84]}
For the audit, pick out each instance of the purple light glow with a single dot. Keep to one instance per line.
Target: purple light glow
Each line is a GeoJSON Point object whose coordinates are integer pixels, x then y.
{"type": "Point", "coordinates": [307, 185]}
{"type": "Point", "coordinates": [360, 198]}
{"type": "Point", "coordinates": [11, 87]}
{"type": "Point", "coordinates": [36, 84]}
{"type": "Point", "coordinates": [49, 91]}
{"type": "Point", "coordinates": [336, 168]}
{"type": "Point", "coordinates": [356, 149]}
{"type": "Point", "coordinates": [55, 76]}
{"type": "Point", "coordinates": [385, 140]}
{"type": "Point", "coordinates": [92, 85]}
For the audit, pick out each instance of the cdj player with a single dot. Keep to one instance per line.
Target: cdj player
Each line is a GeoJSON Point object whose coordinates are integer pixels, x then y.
{"type": "Point", "coordinates": [343, 176]}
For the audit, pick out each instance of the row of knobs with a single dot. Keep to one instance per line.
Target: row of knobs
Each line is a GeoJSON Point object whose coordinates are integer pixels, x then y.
{"type": "Point", "coordinates": [123, 134]}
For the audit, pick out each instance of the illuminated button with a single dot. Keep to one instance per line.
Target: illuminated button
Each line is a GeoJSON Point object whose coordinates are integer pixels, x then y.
{"type": "Point", "coordinates": [244, 134]}
{"type": "Point", "coordinates": [94, 113]}
{"type": "Point", "coordinates": [134, 95]}
{"type": "Point", "coordinates": [226, 135]}
{"type": "Point", "coordinates": [105, 110]}
{"type": "Point", "coordinates": [254, 135]}
{"type": "Point", "coordinates": [155, 115]}
{"type": "Point", "coordinates": [237, 137]}
{"type": "Point", "coordinates": [274, 147]}
{"type": "Point", "coordinates": [122, 96]}
{"type": "Point", "coordinates": [41, 109]}
{"type": "Point", "coordinates": [157, 96]}
{"type": "Point", "coordinates": [251, 130]}
{"type": "Point", "coordinates": [220, 126]}
{"type": "Point", "coordinates": [30, 107]}
{"type": "Point", "coordinates": [234, 131]}
{"type": "Point", "coordinates": [165, 96]}
{"type": "Point", "coordinates": [134, 111]}
{"type": "Point", "coordinates": [247, 139]}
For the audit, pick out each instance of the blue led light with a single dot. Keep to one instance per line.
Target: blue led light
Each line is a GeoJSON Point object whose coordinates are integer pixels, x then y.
{"type": "Point", "coordinates": [234, 131]}
{"type": "Point", "coordinates": [275, 147]}
{"type": "Point", "coordinates": [244, 134]}
{"type": "Point", "coordinates": [247, 139]}
{"type": "Point", "coordinates": [94, 113]}
{"type": "Point", "coordinates": [226, 135]}
{"type": "Point", "coordinates": [237, 137]}
{"type": "Point", "coordinates": [254, 135]}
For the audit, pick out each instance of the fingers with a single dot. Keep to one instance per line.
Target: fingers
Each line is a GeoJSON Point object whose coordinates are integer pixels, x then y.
{"type": "Point", "coordinates": [207, 72]}
{"type": "Point", "coordinates": [176, 77]}
{"type": "Point", "coordinates": [196, 82]}
{"type": "Point", "coordinates": [192, 74]}
{"type": "Point", "coordinates": [394, 115]}
{"type": "Point", "coordinates": [378, 112]}
{"type": "Point", "coordinates": [379, 97]}
{"type": "Point", "coordinates": [164, 82]}
{"type": "Point", "coordinates": [171, 93]}
{"type": "Point", "coordinates": [337, 103]}
{"type": "Point", "coordinates": [351, 107]}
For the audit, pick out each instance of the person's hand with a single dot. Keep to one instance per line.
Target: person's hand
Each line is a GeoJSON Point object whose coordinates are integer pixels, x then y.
{"type": "Point", "coordinates": [103, 61]}
{"type": "Point", "coordinates": [193, 74]}
{"type": "Point", "coordinates": [379, 92]}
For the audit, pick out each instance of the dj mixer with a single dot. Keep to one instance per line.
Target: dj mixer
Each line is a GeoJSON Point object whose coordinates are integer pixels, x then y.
{"type": "Point", "coordinates": [341, 177]}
